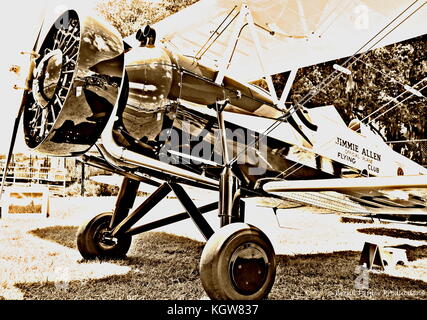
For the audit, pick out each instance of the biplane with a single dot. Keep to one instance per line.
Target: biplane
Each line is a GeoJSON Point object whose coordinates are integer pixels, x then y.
{"type": "Point", "coordinates": [175, 105]}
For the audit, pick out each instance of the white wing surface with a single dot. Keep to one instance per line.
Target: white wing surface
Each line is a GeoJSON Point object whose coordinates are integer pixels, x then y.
{"type": "Point", "coordinates": [293, 33]}
{"type": "Point", "coordinates": [398, 196]}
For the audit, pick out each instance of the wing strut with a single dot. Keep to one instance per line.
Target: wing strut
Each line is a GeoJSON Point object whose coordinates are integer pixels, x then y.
{"type": "Point", "coordinates": [245, 18]}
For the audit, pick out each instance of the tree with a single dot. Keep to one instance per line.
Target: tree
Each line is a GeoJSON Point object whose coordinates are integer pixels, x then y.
{"type": "Point", "coordinates": [127, 16]}
{"type": "Point", "coordinates": [375, 91]}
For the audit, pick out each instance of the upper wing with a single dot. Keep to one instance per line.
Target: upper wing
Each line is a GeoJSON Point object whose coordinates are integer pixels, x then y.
{"type": "Point", "coordinates": [293, 33]}
{"type": "Point", "coordinates": [403, 195]}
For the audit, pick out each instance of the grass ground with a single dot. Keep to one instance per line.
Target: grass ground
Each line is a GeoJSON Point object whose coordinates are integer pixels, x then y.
{"type": "Point", "coordinates": [39, 261]}
{"type": "Point", "coordinates": [164, 267]}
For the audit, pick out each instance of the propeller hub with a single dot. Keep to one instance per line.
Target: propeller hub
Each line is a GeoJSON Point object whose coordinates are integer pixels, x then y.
{"type": "Point", "coordinates": [47, 76]}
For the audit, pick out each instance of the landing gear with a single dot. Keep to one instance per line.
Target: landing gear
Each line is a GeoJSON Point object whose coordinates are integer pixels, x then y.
{"type": "Point", "coordinates": [94, 240]}
{"type": "Point", "coordinates": [109, 235]}
{"type": "Point", "coordinates": [238, 263]}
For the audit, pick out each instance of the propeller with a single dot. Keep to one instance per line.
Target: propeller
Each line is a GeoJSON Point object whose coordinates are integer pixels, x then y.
{"type": "Point", "coordinates": [62, 117]}
{"type": "Point", "coordinates": [27, 91]}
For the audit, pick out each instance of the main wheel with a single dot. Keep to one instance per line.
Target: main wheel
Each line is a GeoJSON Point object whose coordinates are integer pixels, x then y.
{"type": "Point", "coordinates": [93, 240]}
{"type": "Point", "coordinates": [238, 263]}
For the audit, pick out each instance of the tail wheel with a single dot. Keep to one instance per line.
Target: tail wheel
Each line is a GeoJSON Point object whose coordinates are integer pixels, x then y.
{"type": "Point", "coordinates": [238, 263]}
{"type": "Point", "coordinates": [94, 241]}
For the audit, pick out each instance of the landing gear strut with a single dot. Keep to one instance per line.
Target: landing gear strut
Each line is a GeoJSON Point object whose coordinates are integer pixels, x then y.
{"type": "Point", "coordinates": [94, 241]}
{"type": "Point", "coordinates": [109, 235]}
{"type": "Point", "coordinates": [238, 262]}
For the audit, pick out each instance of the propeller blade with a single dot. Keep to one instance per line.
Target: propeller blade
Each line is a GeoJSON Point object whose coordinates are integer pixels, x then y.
{"type": "Point", "coordinates": [12, 144]}
{"type": "Point", "coordinates": [36, 44]}
{"type": "Point", "coordinates": [29, 82]}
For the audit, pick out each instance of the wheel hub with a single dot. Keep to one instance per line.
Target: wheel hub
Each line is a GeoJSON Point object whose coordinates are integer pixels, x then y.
{"type": "Point", "coordinates": [249, 268]}
{"type": "Point", "coordinates": [104, 238]}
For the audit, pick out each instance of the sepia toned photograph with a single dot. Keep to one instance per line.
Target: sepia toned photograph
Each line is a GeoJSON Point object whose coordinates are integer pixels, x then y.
{"type": "Point", "coordinates": [190, 152]}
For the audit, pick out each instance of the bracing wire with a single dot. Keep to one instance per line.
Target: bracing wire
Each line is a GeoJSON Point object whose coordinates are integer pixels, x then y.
{"type": "Point", "coordinates": [327, 81]}
{"type": "Point", "coordinates": [301, 165]}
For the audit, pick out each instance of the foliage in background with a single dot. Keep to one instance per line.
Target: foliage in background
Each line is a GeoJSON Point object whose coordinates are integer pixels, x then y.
{"type": "Point", "coordinates": [128, 16]}
{"type": "Point", "coordinates": [377, 79]}
{"type": "Point", "coordinates": [92, 189]}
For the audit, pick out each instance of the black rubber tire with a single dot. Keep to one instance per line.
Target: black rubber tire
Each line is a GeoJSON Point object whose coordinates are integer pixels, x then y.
{"type": "Point", "coordinates": [217, 266]}
{"type": "Point", "coordinates": [90, 246]}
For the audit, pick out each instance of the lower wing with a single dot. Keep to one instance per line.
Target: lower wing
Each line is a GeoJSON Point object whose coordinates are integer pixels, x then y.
{"type": "Point", "coordinates": [403, 198]}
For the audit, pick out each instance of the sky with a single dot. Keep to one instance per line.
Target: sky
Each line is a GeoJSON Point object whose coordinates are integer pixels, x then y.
{"type": "Point", "coordinates": [20, 21]}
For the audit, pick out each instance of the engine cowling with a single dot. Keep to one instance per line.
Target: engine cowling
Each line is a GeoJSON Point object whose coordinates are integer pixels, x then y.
{"type": "Point", "coordinates": [76, 84]}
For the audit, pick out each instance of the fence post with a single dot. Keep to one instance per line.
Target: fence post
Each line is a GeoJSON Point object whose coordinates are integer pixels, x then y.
{"type": "Point", "coordinates": [83, 180]}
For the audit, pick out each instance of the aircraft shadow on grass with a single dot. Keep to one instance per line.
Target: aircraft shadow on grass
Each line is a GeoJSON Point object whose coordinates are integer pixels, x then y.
{"type": "Point", "coordinates": [162, 268]}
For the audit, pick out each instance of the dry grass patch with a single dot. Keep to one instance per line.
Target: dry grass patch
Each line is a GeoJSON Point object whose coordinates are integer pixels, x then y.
{"type": "Point", "coordinates": [162, 266]}
{"type": "Point", "coordinates": [64, 235]}
{"type": "Point", "coordinates": [165, 267]}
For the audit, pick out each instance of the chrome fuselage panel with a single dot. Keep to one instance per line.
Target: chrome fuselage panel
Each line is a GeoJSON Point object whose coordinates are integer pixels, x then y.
{"type": "Point", "coordinates": [166, 117]}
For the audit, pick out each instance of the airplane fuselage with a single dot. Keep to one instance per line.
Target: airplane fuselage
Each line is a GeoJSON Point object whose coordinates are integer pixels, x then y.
{"type": "Point", "coordinates": [166, 117]}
